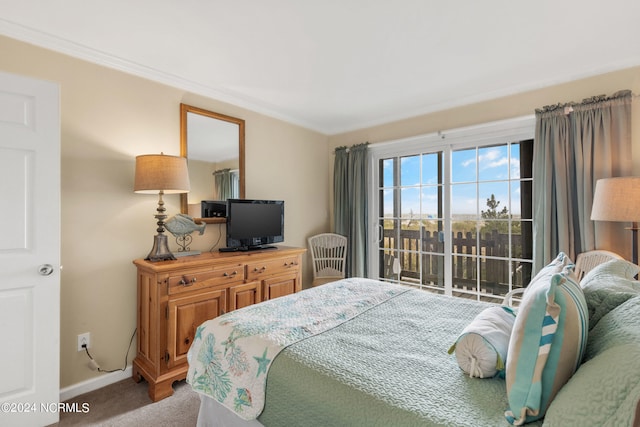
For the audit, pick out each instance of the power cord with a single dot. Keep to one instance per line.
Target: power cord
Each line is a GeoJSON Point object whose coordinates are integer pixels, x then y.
{"type": "Point", "coordinates": [94, 365]}
{"type": "Point", "coordinates": [219, 237]}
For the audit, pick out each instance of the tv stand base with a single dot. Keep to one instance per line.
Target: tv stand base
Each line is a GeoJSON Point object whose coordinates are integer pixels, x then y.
{"type": "Point", "coordinates": [246, 248]}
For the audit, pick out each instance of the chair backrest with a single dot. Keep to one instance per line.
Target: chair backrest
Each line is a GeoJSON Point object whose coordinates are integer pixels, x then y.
{"type": "Point", "coordinates": [328, 255]}
{"type": "Point", "coordinates": [586, 261]}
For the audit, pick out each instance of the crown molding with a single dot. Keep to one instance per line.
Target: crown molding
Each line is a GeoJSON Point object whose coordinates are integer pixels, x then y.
{"type": "Point", "coordinates": [79, 51]}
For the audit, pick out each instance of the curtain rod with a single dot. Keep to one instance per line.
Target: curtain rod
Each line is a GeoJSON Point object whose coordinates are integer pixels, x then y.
{"type": "Point", "coordinates": [568, 106]}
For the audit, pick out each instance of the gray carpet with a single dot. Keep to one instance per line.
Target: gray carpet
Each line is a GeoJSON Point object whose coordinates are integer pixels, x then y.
{"type": "Point", "coordinates": [126, 403]}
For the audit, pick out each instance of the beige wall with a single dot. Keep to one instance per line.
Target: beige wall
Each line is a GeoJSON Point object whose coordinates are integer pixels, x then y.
{"type": "Point", "coordinates": [109, 117]}
{"type": "Point", "coordinates": [613, 236]}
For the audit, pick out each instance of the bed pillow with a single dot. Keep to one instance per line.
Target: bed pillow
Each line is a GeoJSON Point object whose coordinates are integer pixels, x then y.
{"type": "Point", "coordinates": [610, 382]}
{"type": "Point", "coordinates": [546, 346]}
{"type": "Point", "coordinates": [620, 326]}
{"type": "Point", "coordinates": [607, 286]}
{"type": "Point", "coordinates": [481, 348]}
{"type": "Point", "coordinates": [609, 379]}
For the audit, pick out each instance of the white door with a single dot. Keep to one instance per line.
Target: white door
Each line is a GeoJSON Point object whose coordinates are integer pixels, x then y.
{"type": "Point", "coordinates": [29, 251]}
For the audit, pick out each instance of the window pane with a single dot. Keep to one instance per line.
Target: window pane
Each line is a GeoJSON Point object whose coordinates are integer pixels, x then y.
{"type": "Point", "coordinates": [526, 199]}
{"type": "Point", "coordinates": [465, 238]}
{"type": "Point", "coordinates": [386, 203]}
{"type": "Point", "coordinates": [516, 203]}
{"type": "Point", "coordinates": [390, 230]}
{"type": "Point", "coordinates": [522, 160]}
{"type": "Point", "coordinates": [431, 169]}
{"type": "Point", "coordinates": [495, 238]}
{"type": "Point", "coordinates": [493, 163]}
{"type": "Point", "coordinates": [521, 274]}
{"type": "Point", "coordinates": [521, 239]}
{"type": "Point", "coordinates": [494, 276]}
{"type": "Point", "coordinates": [410, 202]}
{"type": "Point", "coordinates": [387, 175]}
{"type": "Point", "coordinates": [431, 202]}
{"type": "Point", "coordinates": [494, 200]}
{"type": "Point", "coordinates": [463, 164]}
{"type": "Point", "coordinates": [410, 236]}
{"type": "Point", "coordinates": [410, 267]}
{"type": "Point", "coordinates": [433, 271]}
{"type": "Point", "coordinates": [410, 170]}
{"type": "Point", "coordinates": [386, 264]}
{"type": "Point", "coordinates": [432, 236]}
{"type": "Point", "coordinates": [464, 200]}
{"type": "Point", "coordinates": [464, 273]}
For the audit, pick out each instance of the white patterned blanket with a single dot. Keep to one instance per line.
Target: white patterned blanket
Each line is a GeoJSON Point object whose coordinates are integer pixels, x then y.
{"type": "Point", "coordinates": [231, 354]}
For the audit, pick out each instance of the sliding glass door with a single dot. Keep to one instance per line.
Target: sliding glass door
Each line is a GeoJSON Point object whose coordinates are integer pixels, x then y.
{"type": "Point", "coordinates": [454, 219]}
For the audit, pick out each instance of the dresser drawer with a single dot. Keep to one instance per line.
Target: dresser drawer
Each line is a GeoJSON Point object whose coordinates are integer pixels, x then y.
{"type": "Point", "coordinates": [192, 280]}
{"type": "Point", "coordinates": [260, 269]}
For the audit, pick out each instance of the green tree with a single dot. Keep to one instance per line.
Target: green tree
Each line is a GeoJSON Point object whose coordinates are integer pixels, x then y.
{"type": "Point", "coordinates": [492, 212]}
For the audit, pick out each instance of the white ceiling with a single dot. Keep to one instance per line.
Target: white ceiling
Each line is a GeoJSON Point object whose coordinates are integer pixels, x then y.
{"type": "Point", "coordinates": [339, 65]}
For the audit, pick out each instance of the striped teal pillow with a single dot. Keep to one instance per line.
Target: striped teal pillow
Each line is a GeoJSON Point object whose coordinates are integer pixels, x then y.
{"type": "Point", "coordinates": [546, 346]}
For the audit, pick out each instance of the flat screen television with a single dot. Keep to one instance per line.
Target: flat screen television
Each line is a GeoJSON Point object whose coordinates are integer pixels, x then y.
{"type": "Point", "coordinates": [254, 224]}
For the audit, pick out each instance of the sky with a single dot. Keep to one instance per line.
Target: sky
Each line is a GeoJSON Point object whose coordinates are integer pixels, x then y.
{"type": "Point", "coordinates": [475, 176]}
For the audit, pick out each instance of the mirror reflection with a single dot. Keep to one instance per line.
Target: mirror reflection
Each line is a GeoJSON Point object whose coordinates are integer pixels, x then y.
{"type": "Point", "coordinates": [214, 146]}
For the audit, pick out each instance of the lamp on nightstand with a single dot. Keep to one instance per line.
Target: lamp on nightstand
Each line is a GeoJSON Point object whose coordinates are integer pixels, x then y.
{"type": "Point", "coordinates": [161, 174]}
{"type": "Point", "coordinates": [618, 199]}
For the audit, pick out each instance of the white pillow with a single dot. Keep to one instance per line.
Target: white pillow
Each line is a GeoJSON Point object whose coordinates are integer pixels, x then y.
{"type": "Point", "coordinates": [481, 348]}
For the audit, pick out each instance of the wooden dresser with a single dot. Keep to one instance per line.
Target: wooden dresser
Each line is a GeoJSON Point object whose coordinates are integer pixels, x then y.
{"type": "Point", "coordinates": [175, 297]}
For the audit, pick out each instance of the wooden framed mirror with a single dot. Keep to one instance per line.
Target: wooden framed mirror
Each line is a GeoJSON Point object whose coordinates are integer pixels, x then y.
{"type": "Point", "coordinates": [213, 144]}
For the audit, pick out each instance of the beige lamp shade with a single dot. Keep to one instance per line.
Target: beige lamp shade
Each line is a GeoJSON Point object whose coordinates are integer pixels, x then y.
{"type": "Point", "coordinates": [617, 199]}
{"type": "Point", "coordinates": [159, 172]}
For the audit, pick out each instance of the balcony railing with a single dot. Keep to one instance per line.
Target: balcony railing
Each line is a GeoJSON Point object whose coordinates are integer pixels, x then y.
{"type": "Point", "coordinates": [421, 257]}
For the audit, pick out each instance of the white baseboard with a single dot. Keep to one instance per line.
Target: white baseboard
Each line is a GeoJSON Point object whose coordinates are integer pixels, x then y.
{"type": "Point", "coordinates": [94, 384]}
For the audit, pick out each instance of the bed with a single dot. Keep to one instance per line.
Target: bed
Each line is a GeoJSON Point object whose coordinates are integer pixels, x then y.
{"type": "Point", "coordinates": [364, 352]}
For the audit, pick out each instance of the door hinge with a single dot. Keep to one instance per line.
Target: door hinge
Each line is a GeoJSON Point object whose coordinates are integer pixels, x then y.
{"type": "Point", "coordinates": [166, 356]}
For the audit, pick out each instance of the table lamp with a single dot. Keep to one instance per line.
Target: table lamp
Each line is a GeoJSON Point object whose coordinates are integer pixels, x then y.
{"type": "Point", "coordinates": [618, 199]}
{"type": "Point", "coordinates": [161, 174]}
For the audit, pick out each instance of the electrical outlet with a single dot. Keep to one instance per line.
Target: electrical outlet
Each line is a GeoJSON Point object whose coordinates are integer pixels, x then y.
{"type": "Point", "coordinates": [84, 339]}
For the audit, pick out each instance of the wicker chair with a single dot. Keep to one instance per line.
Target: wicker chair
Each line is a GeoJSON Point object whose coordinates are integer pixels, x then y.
{"type": "Point", "coordinates": [328, 257]}
{"type": "Point", "coordinates": [585, 262]}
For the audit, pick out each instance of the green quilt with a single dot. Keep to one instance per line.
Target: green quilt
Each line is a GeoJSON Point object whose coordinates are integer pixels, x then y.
{"type": "Point", "coordinates": [388, 366]}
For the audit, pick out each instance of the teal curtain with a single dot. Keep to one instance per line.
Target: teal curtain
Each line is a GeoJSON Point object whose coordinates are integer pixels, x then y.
{"type": "Point", "coordinates": [350, 205]}
{"type": "Point", "coordinates": [341, 192]}
{"type": "Point", "coordinates": [575, 145]}
{"type": "Point", "coordinates": [223, 184]}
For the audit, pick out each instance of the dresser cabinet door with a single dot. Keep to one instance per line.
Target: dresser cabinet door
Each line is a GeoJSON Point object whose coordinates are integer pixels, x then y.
{"type": "Point", "coordinates": [279, 286]}
{"type": "Point", "coordinates": [244, 295]}
{"type": "Point", "coordinates": [185, 314]}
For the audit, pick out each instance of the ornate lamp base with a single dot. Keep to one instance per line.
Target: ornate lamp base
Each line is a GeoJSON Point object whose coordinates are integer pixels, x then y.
{"type": "Point", "coordinates": [160, 250]}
